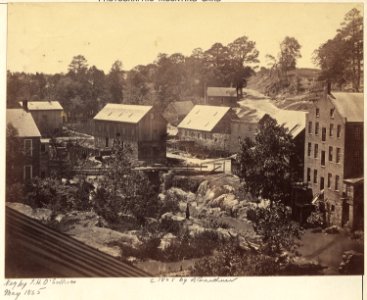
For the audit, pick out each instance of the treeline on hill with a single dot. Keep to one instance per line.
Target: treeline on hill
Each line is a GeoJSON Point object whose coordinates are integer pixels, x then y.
{"type": "Point", "coordinates": [170, 78]}
{"type": "Point", "coordinates": [340, 60]}
{"type": "Point", "coordinates": [84, 89]}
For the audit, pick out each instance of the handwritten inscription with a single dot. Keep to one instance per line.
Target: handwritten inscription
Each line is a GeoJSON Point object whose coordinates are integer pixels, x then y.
{"type": "Point", "coordinates": [17, 288]}
{"type": "Point", "coordinates": [184, 280]}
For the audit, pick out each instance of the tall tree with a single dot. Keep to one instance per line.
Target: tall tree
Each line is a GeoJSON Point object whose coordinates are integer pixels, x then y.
{"type": "Point", "coordinates": [78, 65]}
{"type": "Point", "coordinates": [289, 53]}
{"type": "Point", "coordinates": [265, 163]}
{"type": "Point", "coordinates": [341, 57]}
{"type": "Point", "coordinates": [243, 55]}
{"type": "Point", "coordinates": [116, 82]}
{"type": "Point", "coordinates": [124, 190]}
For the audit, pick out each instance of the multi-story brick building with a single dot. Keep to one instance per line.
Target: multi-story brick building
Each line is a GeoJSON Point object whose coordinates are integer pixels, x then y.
{"type": "Point", "coordinates": [334, 150]}
{"type": "Point", "coordinates": [140, 126]}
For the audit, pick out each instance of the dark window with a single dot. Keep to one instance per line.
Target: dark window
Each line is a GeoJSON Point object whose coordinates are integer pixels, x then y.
{"type": "Point", "coordinates": [323, 158]}
{"type": "Point", "coordinates": [106, 142]}
{"type": "Point", "coordinates": [323, 134]}
{"type": "Point", "coordinates": [43, 148]}
{"type": "Point", "coordinates": [315, 176]}
{"type": "Point", "coordinates": [27, 172]}
{"type": "Point", "coordinates": [316, 151]}
{"type": "Point", "coordinates": [322, 183]}
{"type": "Point", "coordinates": [331, 130]}
{"type": "Point", "coordinates": [332, 207]}
{"type": "Point", "coordinates": [338, 155]}
{"type": "Point", "coordinates": [28, 147]}
{"type": "Point", "coordinates": [310, 127]}
{"type": "Point", "coordinates": [338, 130]}
{"type": "Point", "coordinates": [332, 113]}
{"type": "Point", "coordinates": [317, 128]}
{"type": "Point", "coordinates": [330, 153]}
{"type": "Point", "coordinates": [329, 180]}
{"type": "Point", "coordinates": [309, 149]}
{"type": "Point", "coordinates": [336, 182]}
{"type": "Point", "coordinates": [317, 112]}
{"type": "Point", "coordinates": [308, 174]}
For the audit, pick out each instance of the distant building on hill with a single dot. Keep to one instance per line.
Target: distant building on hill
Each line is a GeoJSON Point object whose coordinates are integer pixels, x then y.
{"type": "Point", "coordinates": [140, 126]}
{"type": "Point", "coordinates": [28, 165]}
{"type": "Point", "coordinates": [177, 111]}
{"type": "Point", "coordinates": [334, 156]}
{"type": "Point", "coordinates": [48, 115]}
{"type": "Point", "coordinates": [221, 96]}
{"type": "Point", "coordinates": [208, 126]}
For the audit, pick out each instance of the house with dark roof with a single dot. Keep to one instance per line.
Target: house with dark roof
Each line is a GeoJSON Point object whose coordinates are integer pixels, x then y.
{"type": "Point", "coordinates": [221, 96]}
{"type": "Point", "coordinates": [48, 115]}
{"type": "Point", "coordinates": [208, 126]}
{"type": "Point", "coordinates": [141, 127]}
{"type": "Point", "coordinates": [334, 153]}
{"type": "Point", "coordinates": [177, 111]}
{"type": "Point", "coordinates": [28, 136]}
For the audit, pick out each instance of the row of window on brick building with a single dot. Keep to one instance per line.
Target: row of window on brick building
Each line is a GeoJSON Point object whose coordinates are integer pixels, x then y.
{"type": "Point", "coordinates": [331, 151]}
{"type": "Point", "coordinates": [323, 133]}
{"type": "Point", "coordinates": [329, 179]}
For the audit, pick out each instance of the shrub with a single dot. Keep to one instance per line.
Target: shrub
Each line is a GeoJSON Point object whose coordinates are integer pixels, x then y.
{"type": "Point", "coordinates": [170, 203]}
{"type": "Point", "coordinates": [169, 225]}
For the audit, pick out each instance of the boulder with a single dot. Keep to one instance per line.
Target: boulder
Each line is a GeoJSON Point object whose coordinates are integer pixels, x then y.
{"type": "Point", "coordinates": [303, 266]}
{"type": "Point", "coordinates": [226, 234]}
{"type": "Point", "coordinates": [166, 241]}
{"type": "Point", "coordinates": [332, 229]}
{"type": "Point", "coordinates": [190, 197]}
{"type": "Point", "coordinates": [179, 193]}
{"type": "Point", "coordinates": [228, 189]}
{"type": "Point", "coordinates": [171, 216]}
{"type": "Point", "coordinates": [195, 229]}
{"type": "Point", "coordinates": [203, 187]}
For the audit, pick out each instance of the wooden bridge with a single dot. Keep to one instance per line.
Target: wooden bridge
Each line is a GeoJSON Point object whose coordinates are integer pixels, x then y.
{"type": "Point", "coordinates": [209, 167]}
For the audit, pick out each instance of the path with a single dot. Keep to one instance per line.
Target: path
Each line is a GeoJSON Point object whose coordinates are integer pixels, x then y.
{"type": "Point", "coordinates": [327, 248]}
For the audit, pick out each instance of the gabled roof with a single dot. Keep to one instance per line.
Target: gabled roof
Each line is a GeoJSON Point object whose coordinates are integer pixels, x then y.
{"type": "Point", "coordinates": [23, 122]}
{"type": "Point", "coordinates": [182, 107]}
{"type": "Point", "coordinates": [249, 115]}
{"type": "Point", "coordinates": [124, 113]}
{"type": "Point", "coordinates": [349, 105]}
{"type": "Point", "coordinates": [221, 92]}
{"type": "Point", "coordinates": [43, 105]}
{"type": "Point", "coordinates": [204, 117]}
{"type": "Point", "coordinates": [294, 121]}
{"type": "Point", "coordinates": [36, 250]}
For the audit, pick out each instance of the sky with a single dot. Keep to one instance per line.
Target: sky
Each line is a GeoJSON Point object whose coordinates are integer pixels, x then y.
{"type": "Point", "coordinates": [45, 37]}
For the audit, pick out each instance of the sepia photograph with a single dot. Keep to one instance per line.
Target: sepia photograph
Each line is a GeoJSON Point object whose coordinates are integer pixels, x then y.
{"type": "Point", "coordinates": [184, 140]}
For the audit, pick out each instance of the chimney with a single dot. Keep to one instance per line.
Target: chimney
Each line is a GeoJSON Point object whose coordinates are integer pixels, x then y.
{"type": "Point", "coordinates": [25, 105]}
{"type": "Point", "coordinates": [327, 88]}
